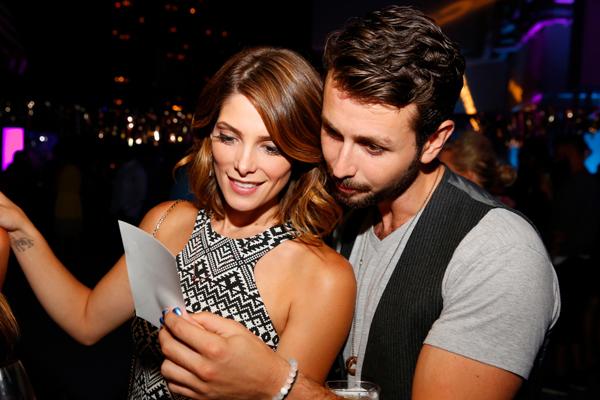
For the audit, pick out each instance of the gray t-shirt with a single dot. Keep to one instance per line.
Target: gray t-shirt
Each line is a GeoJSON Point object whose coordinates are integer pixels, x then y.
{"type": "Point", "coordinates": [500, 292]}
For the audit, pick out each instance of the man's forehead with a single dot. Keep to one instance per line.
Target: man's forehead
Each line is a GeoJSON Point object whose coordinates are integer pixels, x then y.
{"type": "Point", "coordinates": [333, 88]}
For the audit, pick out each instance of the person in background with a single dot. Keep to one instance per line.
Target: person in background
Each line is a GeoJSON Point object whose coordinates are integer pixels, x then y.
{"type": "Point", "coordinates": [250, 249]}
{"type": "Point", "coordinates": [455, 292]}
{"type": "Point", "coordinates": [574, 239]}
{"type": "Point", "coordinates": [4, 253]}
{"type": "Point", "coordinates": [130, 187]}
{"type": "Point", "coordinates": [180, 189]}
{"type": "Point", "coordinates": [68, 205]}
{"type": "Point", "coordinates": [472, 156]}
{"type": "Point", "coordinates": [13, 377]}
{"type": "Point", "coordinates": [9, 332]}
{"type": "Point", "coordinates": [9, 329]}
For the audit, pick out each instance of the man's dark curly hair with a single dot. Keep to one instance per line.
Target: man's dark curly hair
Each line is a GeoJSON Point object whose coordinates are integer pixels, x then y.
{"type": "Point", "coordinates": [397, 56]}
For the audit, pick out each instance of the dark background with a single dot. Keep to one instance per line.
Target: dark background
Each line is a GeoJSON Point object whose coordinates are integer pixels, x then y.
{"type": "Point", "coordinates": [85, 66]}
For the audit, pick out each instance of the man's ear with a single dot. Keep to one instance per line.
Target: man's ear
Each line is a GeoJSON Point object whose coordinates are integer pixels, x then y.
{"type": "Point", "coordinates": [435, 142]}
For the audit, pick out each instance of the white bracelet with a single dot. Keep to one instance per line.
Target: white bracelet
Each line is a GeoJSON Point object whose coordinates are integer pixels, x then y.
{"type": "Point", "coordinates": [289, 382]}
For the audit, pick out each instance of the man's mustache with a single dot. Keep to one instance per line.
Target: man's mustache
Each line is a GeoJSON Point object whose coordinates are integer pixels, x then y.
{"type": "Point", "coordinates": [350, 184]}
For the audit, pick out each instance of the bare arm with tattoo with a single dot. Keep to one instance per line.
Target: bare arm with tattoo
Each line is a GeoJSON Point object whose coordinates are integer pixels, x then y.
{"type": "Point", "coordinates": [86, 314]}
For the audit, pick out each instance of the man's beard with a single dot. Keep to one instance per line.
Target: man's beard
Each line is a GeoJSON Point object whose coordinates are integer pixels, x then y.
{"type": "Point", "coordinates": [370, 198]}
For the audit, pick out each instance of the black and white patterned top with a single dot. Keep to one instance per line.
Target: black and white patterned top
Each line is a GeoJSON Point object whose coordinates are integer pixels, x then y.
{"type": "Point", "coordinates": [217, 275]}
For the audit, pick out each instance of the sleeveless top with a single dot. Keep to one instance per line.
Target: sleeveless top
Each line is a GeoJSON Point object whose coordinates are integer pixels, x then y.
{"type": "Point", "coordinates": [216, 275]}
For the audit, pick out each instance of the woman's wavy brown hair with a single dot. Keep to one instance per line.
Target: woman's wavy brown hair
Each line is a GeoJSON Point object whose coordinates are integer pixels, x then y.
{"type": "Point", "coordinates": [9, 332]}
{"type": "Point", "coordinates": [287, 93]}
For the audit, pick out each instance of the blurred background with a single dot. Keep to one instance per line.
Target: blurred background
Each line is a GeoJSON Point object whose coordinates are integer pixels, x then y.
{"type": "Point", "coordinates": [96, 99]}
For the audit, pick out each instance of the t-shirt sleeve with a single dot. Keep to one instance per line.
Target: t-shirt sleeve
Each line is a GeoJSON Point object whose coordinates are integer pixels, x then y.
{"type": "Point", "coordinates": [500, 296]}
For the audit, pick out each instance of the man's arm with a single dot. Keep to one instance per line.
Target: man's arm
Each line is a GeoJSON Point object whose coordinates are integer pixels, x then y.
{"type": "Point", "coordinates": [207, 356]}
{"type": "Point", "coordinates": [500, 298]}
{"type": "Point", "coordinates": [442, 375]}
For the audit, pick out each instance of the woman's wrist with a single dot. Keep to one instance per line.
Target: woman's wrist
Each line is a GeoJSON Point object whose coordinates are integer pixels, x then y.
{"type": "Point", "coordinates": [290, 379]}
{"type": "Point", "coordinates": [23, 239]}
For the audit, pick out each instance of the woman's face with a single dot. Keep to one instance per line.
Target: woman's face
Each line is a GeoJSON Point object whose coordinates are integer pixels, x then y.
{"type": "Point", "coordinates": [248, 166]}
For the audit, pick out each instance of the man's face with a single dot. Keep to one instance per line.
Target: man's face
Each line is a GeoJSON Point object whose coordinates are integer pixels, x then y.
{"type": "Point", "coordinates": [370, 150]}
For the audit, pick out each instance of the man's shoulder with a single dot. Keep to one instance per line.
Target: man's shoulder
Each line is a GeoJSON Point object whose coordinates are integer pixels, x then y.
{"type": "Point", "coordinates": [504, 245]}
{"type": "Point", "coordinates": [471, 190]}
{"type": "Point", "coordinates": [502, 227]}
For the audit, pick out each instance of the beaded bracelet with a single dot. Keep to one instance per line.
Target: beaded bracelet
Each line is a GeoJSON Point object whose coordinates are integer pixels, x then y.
{"type": "Point", "coordinates": [289, 382]}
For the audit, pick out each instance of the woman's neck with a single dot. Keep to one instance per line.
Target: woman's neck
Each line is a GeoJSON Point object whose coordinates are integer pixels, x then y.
{"type": "Point", "coordinates": [237, 224]}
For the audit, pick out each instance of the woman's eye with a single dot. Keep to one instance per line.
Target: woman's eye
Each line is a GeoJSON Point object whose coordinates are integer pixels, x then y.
{"type": "Point", "coordinates": [223, 138]}
{"type": "Point", "coordinates": [272, 149]}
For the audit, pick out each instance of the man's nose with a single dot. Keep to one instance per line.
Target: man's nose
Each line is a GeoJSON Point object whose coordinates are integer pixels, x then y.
{"type": "Point", "coordinates": [344, 165]}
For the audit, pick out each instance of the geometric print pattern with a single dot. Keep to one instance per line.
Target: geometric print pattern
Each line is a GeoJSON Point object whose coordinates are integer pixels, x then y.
{"type": "Point", "coordinates": [217, 275]}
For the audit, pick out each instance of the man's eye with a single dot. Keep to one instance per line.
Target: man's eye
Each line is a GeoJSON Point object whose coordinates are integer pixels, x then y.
{"type": "Point", "coordinates": [333, 135]}
{"type": "Point", "coordinates": [374, 149]}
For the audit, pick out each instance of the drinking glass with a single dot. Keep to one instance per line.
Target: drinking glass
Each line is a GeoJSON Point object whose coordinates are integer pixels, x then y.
{"type": "Point", "coordinates": [14, 383]}
{"type": "Point", "coordinates": [354, 389]}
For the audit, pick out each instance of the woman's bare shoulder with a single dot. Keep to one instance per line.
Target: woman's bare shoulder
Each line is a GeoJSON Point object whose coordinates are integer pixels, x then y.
{"type": "Point", "coordinates": [174, 222]}
{"type": "Point", "coordinates": [323, 281]}
{"type": "Point", "coordinates": [320, 263]}
{"type": "Point", "coordinates": [172, 215]}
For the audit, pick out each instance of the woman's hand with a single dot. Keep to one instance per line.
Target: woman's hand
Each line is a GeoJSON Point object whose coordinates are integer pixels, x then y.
{"type": "Point", "coordinates": [12, 218]}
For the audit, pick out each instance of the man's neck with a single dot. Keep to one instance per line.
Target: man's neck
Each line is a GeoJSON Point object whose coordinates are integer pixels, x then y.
{"type": "Point", "coordinates": [396, 212]}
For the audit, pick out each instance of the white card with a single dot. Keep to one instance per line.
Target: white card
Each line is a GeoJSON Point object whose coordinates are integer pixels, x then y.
{"type": "Point", "coordinates": [152, 271]}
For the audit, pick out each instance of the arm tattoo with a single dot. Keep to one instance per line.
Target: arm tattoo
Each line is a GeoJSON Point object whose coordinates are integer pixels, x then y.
{"type": "Point", "coordinates": [22, 244]}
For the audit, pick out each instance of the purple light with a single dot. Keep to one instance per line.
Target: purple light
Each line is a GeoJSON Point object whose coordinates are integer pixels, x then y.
{"type": "Point", "coordinates": [536, 98]}
{"type": "Point", "coordinates": [13, 140]}
{"type": "Point", "coordinates": [564, 1]}
{"type": "Point", "coordinates": [538, 26]}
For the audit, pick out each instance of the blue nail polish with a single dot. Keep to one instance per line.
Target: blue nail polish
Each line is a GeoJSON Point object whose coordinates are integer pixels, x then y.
{"type": "Point", "coordinates": [162, 321]}
{"type": "Point", "coordinates": [165, 311]}
{"type": "Point", "coordinates": [177, 311]}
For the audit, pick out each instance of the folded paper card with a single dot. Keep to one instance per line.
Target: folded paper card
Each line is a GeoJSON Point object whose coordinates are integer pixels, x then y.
{"type": "Point", "coordinates": [152, 274]}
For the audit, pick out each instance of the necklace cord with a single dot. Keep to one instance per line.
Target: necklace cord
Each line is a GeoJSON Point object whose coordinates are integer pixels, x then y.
{"type": "Point", "coordinates": [352, 361]}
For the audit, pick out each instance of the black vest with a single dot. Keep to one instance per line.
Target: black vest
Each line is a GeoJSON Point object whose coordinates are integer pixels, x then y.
{"type": "Point", "coordinates": [412, 299]}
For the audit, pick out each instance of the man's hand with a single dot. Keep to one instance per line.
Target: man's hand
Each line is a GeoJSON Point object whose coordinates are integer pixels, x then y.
{"type": "Point", "coordinates": [210, 357]}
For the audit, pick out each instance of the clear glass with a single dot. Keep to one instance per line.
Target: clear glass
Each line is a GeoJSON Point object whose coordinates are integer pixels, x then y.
{"type": "Point", "coordinates": [14, 383]}
{"type": "Point", "coordinates": [354, 389]}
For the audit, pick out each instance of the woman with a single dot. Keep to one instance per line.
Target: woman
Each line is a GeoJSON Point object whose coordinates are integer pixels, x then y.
{"type": "Point", "coordinates": [9, 333]}
{"type": "Point", "coordinates": [4, 252]}
{"type": "Point", "coordinates": [250, 249]}
{"type": "Point", "coordinates": [8, 325]}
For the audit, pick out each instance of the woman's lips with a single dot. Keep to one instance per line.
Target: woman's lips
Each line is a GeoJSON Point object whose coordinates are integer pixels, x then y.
{"type": "Point", "coordinates": [244, 188]}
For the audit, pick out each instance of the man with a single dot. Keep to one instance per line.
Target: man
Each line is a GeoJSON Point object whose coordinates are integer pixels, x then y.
{"type": "Point", "coordinates": [456, 294]}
